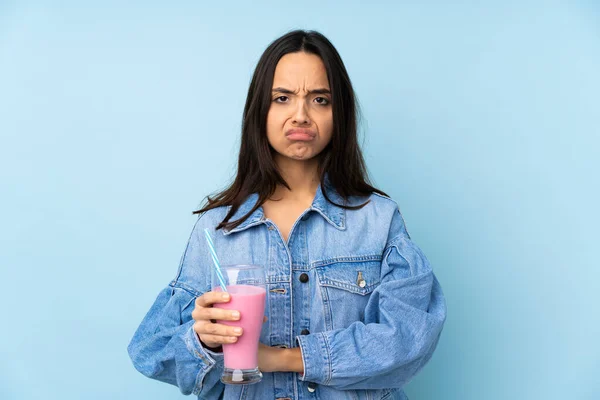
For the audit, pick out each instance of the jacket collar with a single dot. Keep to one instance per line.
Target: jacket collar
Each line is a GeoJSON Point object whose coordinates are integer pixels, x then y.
{"type": "Point", "coordinates": [333, 214]}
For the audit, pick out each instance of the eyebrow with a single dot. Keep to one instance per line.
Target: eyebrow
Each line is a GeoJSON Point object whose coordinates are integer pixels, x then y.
{"type": "Point", "coordinates": [314, 91]}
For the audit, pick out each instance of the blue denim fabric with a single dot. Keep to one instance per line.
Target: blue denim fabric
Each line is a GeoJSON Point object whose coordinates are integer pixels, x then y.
{"type": "Point", "coordinates": [372, 304]}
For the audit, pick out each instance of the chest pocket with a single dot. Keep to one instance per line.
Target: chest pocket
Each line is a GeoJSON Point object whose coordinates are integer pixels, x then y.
{"type": "Point", "coordinates": [345, 287]}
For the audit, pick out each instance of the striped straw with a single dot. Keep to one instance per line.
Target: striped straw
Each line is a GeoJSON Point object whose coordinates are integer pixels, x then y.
{"type": "Point", "coordinates": [211, 247]}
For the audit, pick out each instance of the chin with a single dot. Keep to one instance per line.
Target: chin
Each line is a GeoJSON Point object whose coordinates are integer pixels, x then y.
{"type": "Point", "coordinates": [304, 157]}
{"type": "Point", "coordinates": [300, 158]}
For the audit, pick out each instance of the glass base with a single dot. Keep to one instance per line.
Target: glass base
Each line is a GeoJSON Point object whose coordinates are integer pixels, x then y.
{"type": "Point", "coordinates": [241, 376]}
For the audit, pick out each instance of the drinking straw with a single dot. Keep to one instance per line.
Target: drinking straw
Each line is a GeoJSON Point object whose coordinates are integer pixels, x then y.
{"type": "Point", "coordinates": [211, 247]}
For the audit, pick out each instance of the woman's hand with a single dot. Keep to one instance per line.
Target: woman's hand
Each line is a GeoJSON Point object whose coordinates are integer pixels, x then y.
{"type": "Point", "coordinates": [269, 358]}
{"type": "Point", "coordinates": [275, 359]}
{"type": "Point", "coordinates": [209, 332]}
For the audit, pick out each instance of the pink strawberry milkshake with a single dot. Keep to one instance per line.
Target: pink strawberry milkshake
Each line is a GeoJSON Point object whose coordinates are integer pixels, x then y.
{"type": "Point", "coordinates": [250, 302]}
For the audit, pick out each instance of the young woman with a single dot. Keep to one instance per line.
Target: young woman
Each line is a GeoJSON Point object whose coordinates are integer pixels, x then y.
{"type": "Point", "coordinates": [353, 310]}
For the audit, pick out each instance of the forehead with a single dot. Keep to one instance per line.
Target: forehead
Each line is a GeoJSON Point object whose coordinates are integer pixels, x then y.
{"type": "Point", "coordinates": [300, 68]}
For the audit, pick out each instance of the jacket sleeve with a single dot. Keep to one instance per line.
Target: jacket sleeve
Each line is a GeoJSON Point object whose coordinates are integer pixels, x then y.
{"type": "Point", "coordinates": [404, 319]}
{"type": "Point", "coordinates": [165, 347]}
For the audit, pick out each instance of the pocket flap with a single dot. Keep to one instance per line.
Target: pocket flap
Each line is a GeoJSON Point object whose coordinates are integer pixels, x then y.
{"type": "Point", "coordinates": [360, 276]}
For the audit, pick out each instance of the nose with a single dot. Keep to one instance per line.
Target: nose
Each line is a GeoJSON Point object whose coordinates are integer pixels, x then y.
{"type": "Point", "coordinates": [301, 115]}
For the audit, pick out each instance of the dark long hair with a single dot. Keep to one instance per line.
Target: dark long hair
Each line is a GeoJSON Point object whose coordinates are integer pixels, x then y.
{"type": "Point", "coordinates": [341, 160]}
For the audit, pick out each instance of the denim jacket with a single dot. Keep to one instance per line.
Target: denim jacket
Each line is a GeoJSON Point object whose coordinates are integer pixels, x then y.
{"type": "Point", "coordinates": [367, 319]}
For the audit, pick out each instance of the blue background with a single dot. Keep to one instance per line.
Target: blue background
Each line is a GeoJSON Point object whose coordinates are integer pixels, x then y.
{"type": "Point", "coordinates": [480, 119]}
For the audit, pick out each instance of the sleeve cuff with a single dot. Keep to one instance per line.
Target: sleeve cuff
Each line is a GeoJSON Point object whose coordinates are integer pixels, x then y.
{"type": "Point", "coordinates": [316, 357]}
{"type": "Point", "coordinates": [209, 358]}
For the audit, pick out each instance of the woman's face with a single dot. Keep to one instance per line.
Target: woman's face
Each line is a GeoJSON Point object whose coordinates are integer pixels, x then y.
{"type": "Point", "coordinates": [300, 119]}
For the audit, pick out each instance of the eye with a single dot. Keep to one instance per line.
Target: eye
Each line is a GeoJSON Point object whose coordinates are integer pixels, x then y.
{"type": "Point", "coordinates": [322, 101]}
{"type": "Point", "coordinates": [281, 99]}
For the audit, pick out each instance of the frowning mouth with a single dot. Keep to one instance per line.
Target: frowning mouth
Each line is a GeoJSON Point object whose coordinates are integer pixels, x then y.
{"type": "Point", "coordinates": [300, 134]}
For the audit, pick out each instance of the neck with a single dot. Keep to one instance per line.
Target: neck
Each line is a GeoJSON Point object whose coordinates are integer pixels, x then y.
{"type": "Point", "coordinates": [301, 176]}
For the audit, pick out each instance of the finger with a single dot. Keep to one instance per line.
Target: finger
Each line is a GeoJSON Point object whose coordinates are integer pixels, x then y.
{"type": "Point", "coordinates": [213, 314]}
{"type": "Point", "coordinates": [210, 298]}
{"type": "Point", "coordinates": [265, 319]}
{"type": "Point", "coordinates": [215, 339]}
{"type": "Point", "coordinates": [217, 329]}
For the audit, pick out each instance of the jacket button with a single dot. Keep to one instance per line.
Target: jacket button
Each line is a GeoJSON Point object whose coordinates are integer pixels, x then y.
{"type": "Point", "coordinates": [303, 278]}
{"type": "Point", "coordinates": [312, 387]}
{"type": "Point", "coordinates": [304, 332]}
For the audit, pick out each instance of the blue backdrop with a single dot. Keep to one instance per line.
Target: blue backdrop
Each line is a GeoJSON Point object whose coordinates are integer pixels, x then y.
{"type": "Point", "coordinates": [480, 119]}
